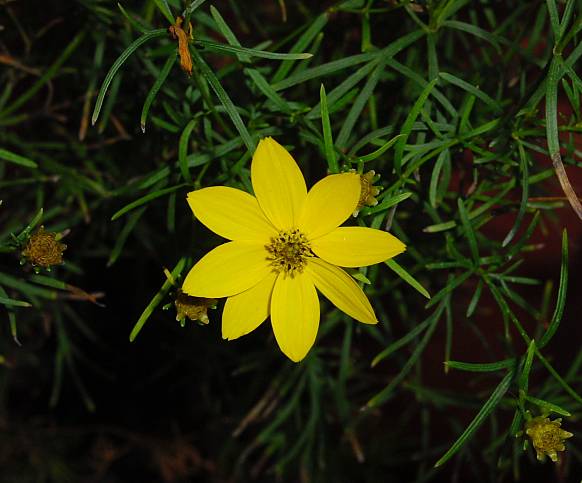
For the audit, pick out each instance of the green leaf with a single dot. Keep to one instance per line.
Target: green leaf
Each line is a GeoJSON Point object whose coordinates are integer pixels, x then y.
{"type": "Point", "coordinates": [322, 70]}
{"type": "Point", "coordinates": [145, 199]}
{"type": "Point", "coordinates": [435, 177]}
{"type": "Point", "coordinates": [258, 78]}
{"type": "Point", "coordinates": [183, 150]}
{"type": "Point", "coordinates": [14, 303]}
{"type": "Point", "coordinates": [192, 7]}
{"type": "Point", "coordinates": [23, 235]}
{"type": "Point", "coordinates": [236, 50]}
{"type": "Point", "coordinates": [165, 9]}
{"type": "Point", "coordinates": [479, 419]}
{"type": "Point", "coordinates": [133, 22]}
{"type": "Point", "coordinates": [409, 337]}
{"type": "Point", "coordinates": [473, 30]}
{"type": "Point", "coordinates": [523, 165]}
{"type": "Point", "coordinates": [225, 100]}
{"type": "Point", "coordinates": [409, 279]}
{"type": "Point", "coordinates": [481, 367]}
{"type": "Point", "coordinates": [385, 394]}
{"type": "Point", "coordinates": [552, 134]}
{"type": "Point", "coordinates": [562, 291]}
{"type": "Point", "coordinates": [523, 381]}
{"type": "Point", "coordinates": [554, 18]}
{"type": "Point", "coordinates": [302, 43]}
{"type": "Point", "coordinates": [330, 154]}
{"type": "Point", "coordinates": [48, 74]}
{"type": "Point", "coordinates": [545, 405]}
{"type": "Point", "coordinates": [124, 234]}
{"type": "Point", "coordinates": [167, 285]}
{"type": "Point", "coordinates": [338, 92]}
{"type": "Point", "coordinates": [17, 159]}
{"type": "Point", "coordinates": [117, 65]}
{"type": "Point", "coordinates": [381, 150]}
{"type": "Point", "coordinates": [409, 122]}
{"type": "Point", "coordinates": [358, 106]}
{"type": "Point", "coordinates": [469, 231]}
{"type": "Point", "coordinates": [471, 89]}
{"type": "Point", "coordinates": [156, 88]}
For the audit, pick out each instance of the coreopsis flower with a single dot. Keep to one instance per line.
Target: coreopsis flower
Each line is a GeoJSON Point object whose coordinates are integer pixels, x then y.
{"type": "Point", "coordinates": [547, 436]}
{"type": "Point", "coordinates": [285, 243]}
{"type": "Point", "coordinates": [44, 249]}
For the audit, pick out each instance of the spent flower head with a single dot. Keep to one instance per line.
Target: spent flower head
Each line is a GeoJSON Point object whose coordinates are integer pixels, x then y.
{"type": "Point", "coordinates": [44, 249]}
{"type": "Point", "coordinates": [547, 436]}
{"type": "Point", "coordinates": [368, 191]}
{"type": "Point", "coordinates": [193, 308]}
{"type": "Point", "coordinates": [285, 242]}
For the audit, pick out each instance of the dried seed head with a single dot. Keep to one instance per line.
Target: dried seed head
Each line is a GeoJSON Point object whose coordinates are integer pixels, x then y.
{"type": "Point", "coordinates": [193, 308]}
{"type": "Point", "coordinates": [547, 437]}
{"type": "Point", "coordinates": [43, 249]}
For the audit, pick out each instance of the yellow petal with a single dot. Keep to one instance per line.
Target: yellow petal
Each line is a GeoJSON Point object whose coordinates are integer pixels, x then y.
{"type": "Point", "coordinates": [295, 315]}
{"type": "Point", "coordinates": [329, 203]}
{"type": "Point", "coordinates": [229, 269]}
{"type": "Point", "coordinates": [244, 312]}
{"type": "Point", "coordinates": [278, 183]}
{"type": "Point", "coordinates": [357, 246]}
{"type": "Point", "coordinates": [231, 213]}
{"type": "Point", "coordinates": [341, 290]}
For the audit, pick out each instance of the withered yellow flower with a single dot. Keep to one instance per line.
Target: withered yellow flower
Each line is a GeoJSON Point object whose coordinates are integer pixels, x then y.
{"type": "Point", "coordinates": [547, 437]}
{"type": "Point", "coordinates": [193, 308]}
{"type": "Point", "coordinates": [368, 191]}
{"type": "Point", "coordinates": [43, 249]}
{"type": "Point", "coordinates": [285, 243]}
{"type": "Point", "coordinates": [178, 33]}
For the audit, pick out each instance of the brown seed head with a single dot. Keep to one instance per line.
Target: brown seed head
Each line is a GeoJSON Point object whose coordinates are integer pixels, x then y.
{"type": "Point", "coordinates": [43, 249]}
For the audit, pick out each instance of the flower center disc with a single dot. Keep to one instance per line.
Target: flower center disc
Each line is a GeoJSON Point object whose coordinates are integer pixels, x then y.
{"type": "Point", "coordinates": [288, 252]}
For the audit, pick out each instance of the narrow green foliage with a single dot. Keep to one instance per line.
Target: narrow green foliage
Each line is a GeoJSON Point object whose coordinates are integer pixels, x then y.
{"type": "Point", "coordinates": [409, 279]}
{"type": "Point", "coordinates": [17, 159]}
{"type": "Point", "coordinates": [157, 299]}
{"type": "Point", "coordinates": [118, 64]}
{"type": "Point", "coordinates": [50, 72]}
{"type": "Point", "coordinates": [224, 98]}
{"type": "Point", "coordinates": [562, 291]}
{"type": "Point", "coordinates": [171, 60]}
{"type": "Point", "coordinates": [327, 136]}
{"type": "Point", "coordinates": [479, 419]}
{"type": "Point", "coordinates": [145, 199]}
{"type": "Point", "coordinates": [165, 9]}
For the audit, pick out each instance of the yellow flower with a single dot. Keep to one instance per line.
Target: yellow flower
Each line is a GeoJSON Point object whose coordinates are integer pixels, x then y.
{"type": "Point", "coordinates": [547, 437]}
{"type": "Point", "coordinates": [285, 243]}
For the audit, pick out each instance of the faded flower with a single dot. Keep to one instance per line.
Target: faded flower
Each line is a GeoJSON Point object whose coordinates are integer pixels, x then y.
{"type": "Point", "coordinates": [547, 437]}
{"type": "Point", "coordinates": [368, 191]}
{"type": "Point", "coordinates": [193, 308]}
{"type": "Point", "coordinates": [44, 249]}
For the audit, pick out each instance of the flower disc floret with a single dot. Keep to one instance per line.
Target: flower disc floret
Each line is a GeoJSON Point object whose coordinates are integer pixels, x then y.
{"type": "Point", "coordinates": [288, 252]}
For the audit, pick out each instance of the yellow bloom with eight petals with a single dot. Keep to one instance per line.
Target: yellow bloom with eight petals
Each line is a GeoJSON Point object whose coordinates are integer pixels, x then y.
{"type": "Point", "coordinates": [285, 243]}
